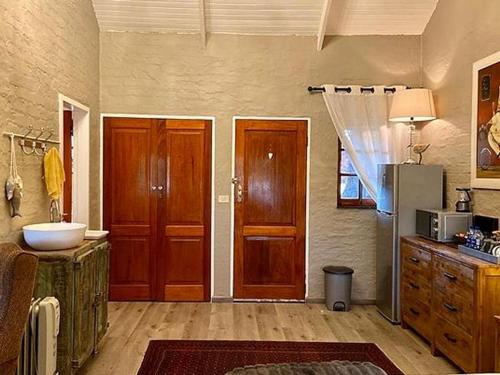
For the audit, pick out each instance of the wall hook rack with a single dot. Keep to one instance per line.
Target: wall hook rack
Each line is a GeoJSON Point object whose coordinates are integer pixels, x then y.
{"type": "Point", "coordinates": [35, 142]}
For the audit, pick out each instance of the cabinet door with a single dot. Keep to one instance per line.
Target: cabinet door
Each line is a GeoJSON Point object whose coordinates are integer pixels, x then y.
{"type": "Point", "coordinates": [130, 206]}
{"type": "Point", "coordinates": [184, 210]}
{"type": "Point", "coordinates": [84, 298]}
{"type": "Point", "coordinates": [101, 306]}
{"type": "Point", "coordinates": [55, 278]}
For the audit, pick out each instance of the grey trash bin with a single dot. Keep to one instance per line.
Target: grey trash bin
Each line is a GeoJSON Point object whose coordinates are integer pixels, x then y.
{"type": "Point", "coordinates": [338, 280]}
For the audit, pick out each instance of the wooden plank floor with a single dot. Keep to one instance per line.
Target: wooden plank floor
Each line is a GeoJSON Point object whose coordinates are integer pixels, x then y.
{"type": "Point", "coordinates": [132, 325]}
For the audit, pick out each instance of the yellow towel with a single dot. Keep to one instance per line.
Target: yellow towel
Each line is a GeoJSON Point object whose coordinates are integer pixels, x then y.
{"type": "Point", "coordinates": [54, 173]}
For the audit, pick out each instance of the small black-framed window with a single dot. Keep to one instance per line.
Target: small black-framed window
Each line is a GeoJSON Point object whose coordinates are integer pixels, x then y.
{"type": "Point", "coordinates": [350, 190]}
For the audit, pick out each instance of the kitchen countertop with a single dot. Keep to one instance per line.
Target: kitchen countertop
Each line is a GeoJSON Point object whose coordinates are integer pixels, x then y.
{"type": "Point", "coordinates": [449, 251]}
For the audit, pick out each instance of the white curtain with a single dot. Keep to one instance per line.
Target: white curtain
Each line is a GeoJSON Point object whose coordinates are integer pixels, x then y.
{"type": "Point", "coordinates": [361, 120]}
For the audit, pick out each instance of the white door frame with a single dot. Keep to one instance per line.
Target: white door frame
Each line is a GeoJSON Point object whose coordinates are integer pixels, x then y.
{"type": "Point", "coordinates": [81, 138]}
{"type": "Point", "coordinates": [233, 166]}
{"type": "Point", "coordinates": [165, 117]}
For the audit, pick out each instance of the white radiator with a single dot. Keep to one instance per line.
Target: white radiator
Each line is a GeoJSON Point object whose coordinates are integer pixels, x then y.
{"type": "Point", "coordinates": [39, 344]}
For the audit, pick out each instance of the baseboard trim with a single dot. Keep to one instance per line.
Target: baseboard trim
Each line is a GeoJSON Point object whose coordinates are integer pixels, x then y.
{"type": "Point", "coordinates": [222, 299]}
{"type": "Point", "coordinates": [363, 302]}
{"type": "Point", "coordinates": [353, 301]}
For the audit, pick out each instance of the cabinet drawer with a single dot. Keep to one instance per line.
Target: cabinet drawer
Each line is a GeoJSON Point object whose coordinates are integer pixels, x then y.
{"type": "Point", "coordinates": [455, 344]}
{"type": "Point", "coordinates": [418, 315]}
{"type": "Point", "coordinates": [416, 261]}
{"type": "Point", "coordinates": [455, 309]}
{"type": "Point", "coordinates": [416, 288]}
{"type": "Point", "coordinates": [453, 278]}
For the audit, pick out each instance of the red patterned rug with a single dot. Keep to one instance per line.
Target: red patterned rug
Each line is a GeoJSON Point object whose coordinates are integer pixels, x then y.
{"type": "Point", "coordinates": [186, 357]}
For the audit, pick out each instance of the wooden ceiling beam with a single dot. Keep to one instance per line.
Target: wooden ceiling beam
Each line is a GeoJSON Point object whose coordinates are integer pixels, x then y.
{"type": "Point", "coordinates": [323, 23]}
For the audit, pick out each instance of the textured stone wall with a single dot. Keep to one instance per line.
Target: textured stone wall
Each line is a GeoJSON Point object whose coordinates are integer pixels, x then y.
{"type": "Point", "coordinates": [46, 47]}
{"type": "Point", "coordinates": [262, 76]}
{"type": "Point", "coordinates": [459, 33]}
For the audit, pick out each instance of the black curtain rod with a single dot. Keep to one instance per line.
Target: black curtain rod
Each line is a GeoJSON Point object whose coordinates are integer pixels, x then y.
{"type": "Point", "coordinates": [313, 89]}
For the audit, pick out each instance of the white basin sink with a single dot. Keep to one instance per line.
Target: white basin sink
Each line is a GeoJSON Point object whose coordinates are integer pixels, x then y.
{"type": "Point", "coordinates": [54, 236]}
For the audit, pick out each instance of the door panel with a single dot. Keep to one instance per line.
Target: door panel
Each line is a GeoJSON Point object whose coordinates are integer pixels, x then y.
{"type": "Point", "coordinates": [184, 210]}
{"type": "Point", "coordinates": [187, 254]}
{"type": "Point", "coordinates": [132, 175]}
{"type": "Point", "coordinates": [130, 206]}
{"type": "Point", "coordinates": [185, 179]}
{"type": "Point", "coordinates": [84, 299]}
{"type": "Point", "coordinates": [271, 202]}
{"type": "Point", "coordinates": [133, 257]}
{"type": "Point", "coordinates": [262, 254]}
{"type": "Point", "coordinates": [386, 235]}
{"type": "Point", "coordinates": [270, 207]}
{"type": "Point", "coordinates": [101, 305]}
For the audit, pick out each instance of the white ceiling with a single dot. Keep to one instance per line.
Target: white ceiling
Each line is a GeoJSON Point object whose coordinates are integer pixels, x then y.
{"type": "Point", "coordinates": [379, 17]}
{"type": "Point", "coordinates": [266, 17]}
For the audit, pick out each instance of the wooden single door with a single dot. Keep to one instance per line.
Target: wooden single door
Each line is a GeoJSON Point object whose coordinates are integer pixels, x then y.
{"type": "Point", "coordinates": [130, 206]}
{"type": "Point", "coordinates": [270, 209]}
{"type": "Point", "coordinates": [68, 166]}
{"type": "Point", "coordinates": [184, 208]}
{"type": "Point", "coordinates": [157, 206]}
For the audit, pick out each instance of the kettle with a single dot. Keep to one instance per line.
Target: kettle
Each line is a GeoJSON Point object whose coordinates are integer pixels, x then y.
{"type": "Point", "coordinates": [464, 200]}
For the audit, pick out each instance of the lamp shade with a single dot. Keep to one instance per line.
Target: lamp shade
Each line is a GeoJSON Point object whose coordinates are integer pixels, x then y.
{"type": "Point", "coordinates": [412, 105]}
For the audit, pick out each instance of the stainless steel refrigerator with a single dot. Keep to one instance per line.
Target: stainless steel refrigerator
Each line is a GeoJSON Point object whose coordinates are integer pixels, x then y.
{"type": "Point", "coordinates": [401, 189]}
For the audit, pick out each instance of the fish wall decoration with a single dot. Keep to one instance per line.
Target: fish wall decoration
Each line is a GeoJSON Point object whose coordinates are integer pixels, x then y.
{"type": "Point", "coordinates": [14, 184]}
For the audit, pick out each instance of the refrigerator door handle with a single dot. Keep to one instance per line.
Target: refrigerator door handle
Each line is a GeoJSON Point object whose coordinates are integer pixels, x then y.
{"type": "Point", "coordinates": [387, 214]}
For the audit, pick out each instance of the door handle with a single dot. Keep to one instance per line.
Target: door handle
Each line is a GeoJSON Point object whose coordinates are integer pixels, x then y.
{"type": "Point", "coordinates": [154, 188]}
{"type": "Point", "coordinates": [239, 189]}
{"type": "Point", "coordinates": [160, 188]}
{"type": "Point", "coordinates": [415, 312]}
{"type": "Point", "coordinates": [414, 286]}
{"type": "Point", "coordinates": [450, 307]}
{"type": "Point", "coordinates": [449, 276]}
{"type": "Point", "coordinates": [450, 338]}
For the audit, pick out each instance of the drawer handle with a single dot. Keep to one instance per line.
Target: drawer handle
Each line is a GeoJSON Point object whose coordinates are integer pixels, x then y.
{"type": "Point", "coordinates": [450, 276]}
{"type": "Point", "coordinates": [450, 338]}
{"type": "Point", "coordinates": [450, 307]}
{"type": "Point", "coordinates": [414, 260]}
{"type": "Point", "coordinates": [414, 286]}
{"type": "Point", "coordinates": [415, 312]}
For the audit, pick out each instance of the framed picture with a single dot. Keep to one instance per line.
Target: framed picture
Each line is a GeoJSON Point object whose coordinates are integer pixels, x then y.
{"type": "Point", "coordinates": [485, 128]}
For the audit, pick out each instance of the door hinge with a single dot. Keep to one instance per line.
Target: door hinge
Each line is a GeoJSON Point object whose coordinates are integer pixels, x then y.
{"type": "Point", "coordinates": [97, 300]}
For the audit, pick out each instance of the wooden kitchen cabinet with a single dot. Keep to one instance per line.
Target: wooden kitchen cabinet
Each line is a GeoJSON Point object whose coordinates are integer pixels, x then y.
{"type": "Point", "coordinates": [451, 300]}
{"type": "Point", "coordinates": [78, 278]}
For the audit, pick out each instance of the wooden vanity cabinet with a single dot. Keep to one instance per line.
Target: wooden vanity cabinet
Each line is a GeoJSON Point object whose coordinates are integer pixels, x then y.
{"type": "Point", "coordinates": [78, 278]}
{"type": "Point", "coordinates": [451, 300]}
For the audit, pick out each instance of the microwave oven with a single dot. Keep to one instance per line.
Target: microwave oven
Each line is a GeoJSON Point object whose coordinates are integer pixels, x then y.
{"type": "Point", "coordinates": [440, 225]}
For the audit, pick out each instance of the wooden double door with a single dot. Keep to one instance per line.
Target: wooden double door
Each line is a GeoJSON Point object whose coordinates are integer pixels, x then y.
{"type": "Point", "coordinates": [157, 207]}
{"type": "Point", "coordinates": [270, 209]}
